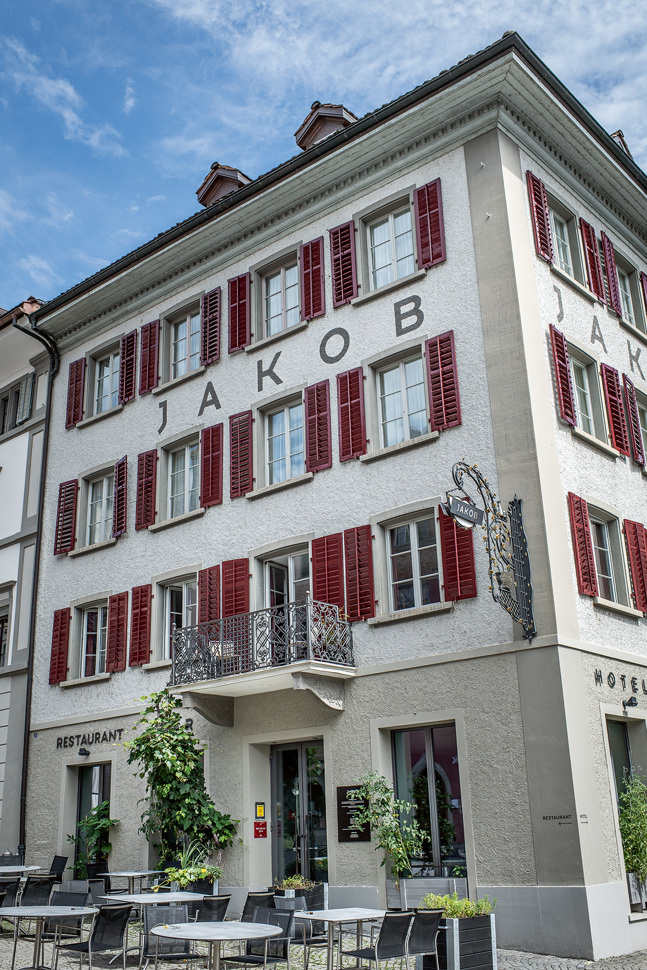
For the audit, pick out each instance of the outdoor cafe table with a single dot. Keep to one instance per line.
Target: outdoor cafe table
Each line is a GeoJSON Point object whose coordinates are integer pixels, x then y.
{"type": "Point", "coordinates": [150, 899]}
{"type": "Point", "coordinates": [229, 932]}
{"type": "Point", "coordinates": [131, 875]}
{"type": "Point", "coordinates": [18, 870]}
{"type": "Point", "coordinates": [335, 917]}
{"type": "Point", "coordinates": [41, 913]}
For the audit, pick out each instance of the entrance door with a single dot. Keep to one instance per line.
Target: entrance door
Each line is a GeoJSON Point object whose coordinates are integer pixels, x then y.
{"type": "Point", "coordinates": [94, 788]}
{"type": "Point", "coordinates": [299, 811]}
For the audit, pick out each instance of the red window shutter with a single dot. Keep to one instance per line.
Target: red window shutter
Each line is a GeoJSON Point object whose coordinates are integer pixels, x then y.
{"type": "Point", "coordinates": [328, 570]}
{"type": "Point", "coordinates": [587, 580]}
{"type": "Point", "coordinates": [210, 327]}
{"type": "Point", "coordinates": [442, 380]}
{"type": "Point", "coordinates": [317, 418]}
{"type": "Point", "coordinates": [635, 431]}
{"type": "Point", "coordinates": [117, 632]}
{"type": "Point", "coordinates": [358, 555]}
{"type": "Point", "coordinates": [146, 489]}
{"type": "Point", "coordinates": [235, 587]}
{"type": "Point", "coordinates": [351, 414]}
{"type": "Point", "coordinates": [615, 301]}
{"type": "Point", "coordinates": [211, 466]}
{"type": "Point", "coordinates": [563, 376]}
{"type": "Point", "coordinates": [342, 258]}
{"type": "Point", "coordinates": [128, 367]}
{"type": "Point", "coordinates": [615, 408]}
{"type": "Point", "coordinates": [593, 265]}
{"type": "Point", "coordinates": [313, 294]}
{"type": "Point", "coordinates": [239, 313]}
{"type": "Point", "coordinates": [209, 594]}
{"type": "Point", "coordinates": [636, 539]}
{"type": "Point", "coordinates": [140, 625]}
{"type": "Point", "coordinates": [60, 639]}
{"type": "Point", "coordinates": [457, 549]}
{"type": "Point", "coordinates": [643, 287]}
{"type": "Point", "coordinates": [66, 517]}
{"type": "Point", "coordinates": [241, 478]}
{"type": "Point", "coordinates": [540, 217]}
{"type": "Point", "coordinates": [430, 228]}
{"type": "Point", "coordinates": [75, 389]}
{"type": "Point", "coordinates": [120, 500]}
{"type": "Point", "coordinates": [149, 363]}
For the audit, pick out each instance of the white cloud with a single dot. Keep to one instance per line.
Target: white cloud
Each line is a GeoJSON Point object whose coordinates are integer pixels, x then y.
{"type": "Point", "coordinates": [58, 96]}
{"type": "Point", "coordinates": [129, 233]}
{"type": "Point", "coordinates": [41, 272]}
{"type": "Point", "coordinates": [58, 212]}
{"type": "Point", "coordinates": [156, 198]}
{"type": "Point", "coordinates": [10, 212]}
{"type": "Point", "coordinates": [129, 97]}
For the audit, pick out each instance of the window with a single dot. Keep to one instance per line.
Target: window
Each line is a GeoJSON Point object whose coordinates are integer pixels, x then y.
{"type": "Point", "coordinates": [94, 640]}
{"type": "Point", "coordinates": [4, 636]}
{"type": "Point", "coordinates": [184, 336]}
{"type": "Point", "coordinates": [287, 579]}
{"type": "Point", "coordinates": [402, 404]}
{"type": "Point", "coordinates": [184, 479]}
{"type": "Point", "coordinates": [620, 754]}
{"type": "Point", "coordinates": [281, 299]}
{"type": "Point", "coordinates": [180, 610]}
{"type": "Point", "coordinates": [106, 382]}
{"type": "Point", "coordinates": [629, 295]}
{"type": "Point", "coordinates": [100, 509]}
{"type": "Point", "coordinates": [588, 398]}
{"type": "Point", "coordinates": [390, 247]}
{"type": "Point", "coordinates": [285, 443]}
{"type": "Point", "coordinates": [414, 570]}
{"type": "Point", "coordinates": [599, 552]}
{"type": "Point", "coordinates": [609, 557]}
{"type": "Point", "coordinates": [562, 243]}
{"type": "Point", "coordinates": [16, 404]}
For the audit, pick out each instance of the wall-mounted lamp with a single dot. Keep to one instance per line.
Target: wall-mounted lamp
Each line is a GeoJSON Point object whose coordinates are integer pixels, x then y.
{"type": "Point", "coordinates": [630, 702]}
{"type": "Point", "coordinates": [84, 753]}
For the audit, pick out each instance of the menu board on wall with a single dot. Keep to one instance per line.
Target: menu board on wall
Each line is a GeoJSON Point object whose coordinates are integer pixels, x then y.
{"type": "Point", "coordinates": [347, 808]}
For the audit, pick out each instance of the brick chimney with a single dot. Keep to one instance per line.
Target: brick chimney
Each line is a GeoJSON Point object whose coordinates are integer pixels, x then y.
{"type": "Point", "coordinates": [323, 120]}
{"type": "Point", "coordinates": [221, 180]}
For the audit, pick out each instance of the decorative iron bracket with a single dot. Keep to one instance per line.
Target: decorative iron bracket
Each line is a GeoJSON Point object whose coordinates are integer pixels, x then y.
{"type": "Point", "coordinates": [505, 539]}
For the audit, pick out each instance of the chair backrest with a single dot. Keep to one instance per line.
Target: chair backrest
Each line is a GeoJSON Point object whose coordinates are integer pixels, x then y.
{"type": "Point", "coordinates": [301, 929]}
{"type": "Point", "coordinates": [58, 865]}
{"type": "Point", "coordinates": [70, 899]}
{"type": "Point", "coordinates": [110, 926]}
{"type": "Point", "coordinates": [212, 909]}
{"type": "Point", "coordinates": [424, 931]}
{"type": "Point", "coordinates": [278, 947]}
{"type": "Point", "coordinates": [37, 890]}
{"type": "Point", "coordinates": [10, 888]}
{"type": "Point", "coordinates": [10, 860]}
{"type": "Point", "coordinates": [97, 890]}
{"type": "Point", "coordinates": [253, 900]}
{"type": "Point", "coordinates": [75, 886]}
{"type": "Point", "coordinates": [166, 948]}
{"type": "Point", "coordinates": [392, 941]}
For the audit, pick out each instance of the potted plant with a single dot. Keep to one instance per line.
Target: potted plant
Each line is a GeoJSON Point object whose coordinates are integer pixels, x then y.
{"type": "Point", "coordinates": [193, 871]}
{"type": "Point", "coordinates": [298, 885]}
{"type": "Point", "coordinates": [91, 841]}
{"type": "Point", "coordinates": [632, 817]}
{"type": "Point", "coordinates": [469, 938]}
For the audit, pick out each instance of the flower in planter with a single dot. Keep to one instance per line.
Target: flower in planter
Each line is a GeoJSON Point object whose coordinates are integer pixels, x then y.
{"type": "Point", "coordinates": [455, 908]}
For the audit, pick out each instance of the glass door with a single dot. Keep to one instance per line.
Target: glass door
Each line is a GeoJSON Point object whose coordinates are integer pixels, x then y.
{"type": "Point", "coordinates": [299, 843]}
{"type": "Point", "coordinates": [94, 788]}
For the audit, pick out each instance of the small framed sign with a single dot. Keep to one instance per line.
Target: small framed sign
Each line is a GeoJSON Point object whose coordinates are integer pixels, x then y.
{"type": "Point", "coordinates": [347, 808]}
{"type": "Point", "coordinates": [260, 809]}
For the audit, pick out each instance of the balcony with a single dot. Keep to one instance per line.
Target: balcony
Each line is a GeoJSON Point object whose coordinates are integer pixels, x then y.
{"type": "Point", "coordinates": [273, 649]}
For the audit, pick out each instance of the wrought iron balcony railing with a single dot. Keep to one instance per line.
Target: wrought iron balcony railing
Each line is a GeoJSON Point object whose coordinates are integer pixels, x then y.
{"type": "Point", "coordinates": [263, 640]}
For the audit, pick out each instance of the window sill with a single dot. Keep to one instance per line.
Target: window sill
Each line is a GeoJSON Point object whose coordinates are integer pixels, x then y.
{"type": "Point", "coordinates": [596, 443]}
{"type": "Point", "coordinates": [279, 486]}
{"type": "Point", "coordinates": [82, 550]}
{"type": "Point", "coordinates": [422, 439]}
{"type": "Point", "coordinates": [176, 520]}
{"type": "Point", "coordinates": [603, 604]}
{"type": "Point", "coordinates": [99, 417]}
{"type": "Point", "coordinates": [388, 287]}
{"type": "Point", "coordinates": [168, 385]}
{"type": "Point", "coordinates": [577, 286]}
{"type": "Point", "coordinates": [95, 679]}
{"type": "Point", "coordinates": [414, 614]}
{"type": "Point", "coordinates": [634, 331]}
{"type": "Point", "coordinates": [157, 664]}
{"type": "Point", "coordinates": [264, 341]}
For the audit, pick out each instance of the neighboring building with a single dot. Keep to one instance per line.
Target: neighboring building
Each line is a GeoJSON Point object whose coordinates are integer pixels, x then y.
{"type": "Point", "coordinates": [263, 406]}
{"type": "Point", "coordinates": [23, 390]}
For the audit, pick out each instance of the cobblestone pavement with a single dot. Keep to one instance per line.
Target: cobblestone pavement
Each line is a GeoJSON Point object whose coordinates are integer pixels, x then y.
{"type": "Point", "coordinates": [518, 960]}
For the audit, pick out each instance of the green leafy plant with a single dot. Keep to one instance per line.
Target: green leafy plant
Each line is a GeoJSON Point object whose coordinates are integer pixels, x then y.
{"type": "Point", "coordinates": [91, 839]}
{"type": "Point", "coordinates": [178, 808]}
{"type": "Point", "coordinates": [297, 881]}
{"type": "Point", "coordinates": [633, 825]}
{"type": "Point", "coordinates": [192, 867]}
{"type": "Point", "coordinates": [391, 821]}
{"type": "Point", "coordinates": [455, 908]}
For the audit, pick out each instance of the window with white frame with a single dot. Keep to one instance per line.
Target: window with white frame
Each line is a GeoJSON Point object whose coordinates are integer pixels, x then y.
{"type": "Point", "coordinates": [284, 443]}
{"type": "Point", "coordinates": [390, 247]}
{"type": "Point", "coordinates": [566, 251]}
{"type": "Point", "coordinates": [106, 382]}
{"type": "Point", "coordinates": [413, 564]}
{"type": "Point", "coordinates": [4, 635]}
{"type": "Point", "coordinates": [402, 402]}
{"type": "Point", "coordinates": [183, 479]}
{"type": "Point", "coordinates": [281, 306]}
{"type": "Point", "coordinates": [588, 396]}
{"type": "Point", "coordinates": [94, 640]}
{"type": "Point", "coordinates": [100, 497]}
{"type": "Point", "coordinates": [609, 556]}
{"type": "Point", "coordinates": [642, 416]}
{"type": "Point", "coordinates": [184, 342]}
{"type": "Point", "coordinates": [286, 578]}
{"type": "Point", "coordinates": [629, 294]}
{"type": "Point", "coordinates": [180, 610]}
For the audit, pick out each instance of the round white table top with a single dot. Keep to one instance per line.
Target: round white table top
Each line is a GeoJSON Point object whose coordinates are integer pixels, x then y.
{"type": "Point", "coordinates": [354, 913]}
{"type": "Point", "coordinates": [17, 870]}
{"type": "Point", "coordinates": [33, 912]}
{"type": "Point", "coordinates": [147, 899]}
{"type": "Point", "coordinates": [213, 932]}
{"type": "Point", "coordinates": [133, 874]}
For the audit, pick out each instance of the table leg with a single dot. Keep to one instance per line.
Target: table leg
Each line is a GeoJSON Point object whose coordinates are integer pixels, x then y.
{"type": "Point", "coordinates": [331, 942]}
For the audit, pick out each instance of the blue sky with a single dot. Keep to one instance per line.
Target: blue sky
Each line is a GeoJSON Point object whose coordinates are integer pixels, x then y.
{"type": "Point", "coordinates": [112, 112]}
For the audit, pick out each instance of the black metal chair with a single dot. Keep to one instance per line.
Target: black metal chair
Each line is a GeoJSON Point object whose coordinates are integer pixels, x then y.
{"type": "Point", "coordinates": [97, 890]}
{"type": "Point", "coordinates": [423, 938]}
{"type": "Point", "coordinates": [391, 943]}
{"type": "Point", "coordinates": [108, 933]}
{"type": "Point", "coordinates": [58, 866]}
{"type": "Point", "coordinates": [211, 909]}
{"type": "Point", "coordinates": [10, 860]}
{"type": "Point", "coordinates": [159, 947]}
{"type": "Point", "coordinates": [10, 886]}
{"type": "Point", "coordinates": [304, 931]}
{"type": "Point", "coordinates": [254, 900]}
{"type": "Point", "coordinates": [60, 927]}
{"type": "Point", "coordinates": [272, 950]}
{"type": "Point", "coordinates": [75, 886]}
{"type": "Point", "coordinates": [37, 890]}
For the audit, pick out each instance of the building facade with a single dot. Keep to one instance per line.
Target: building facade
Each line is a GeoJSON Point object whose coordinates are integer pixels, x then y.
{"type": "Point", "coordinates": [251, 444]}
